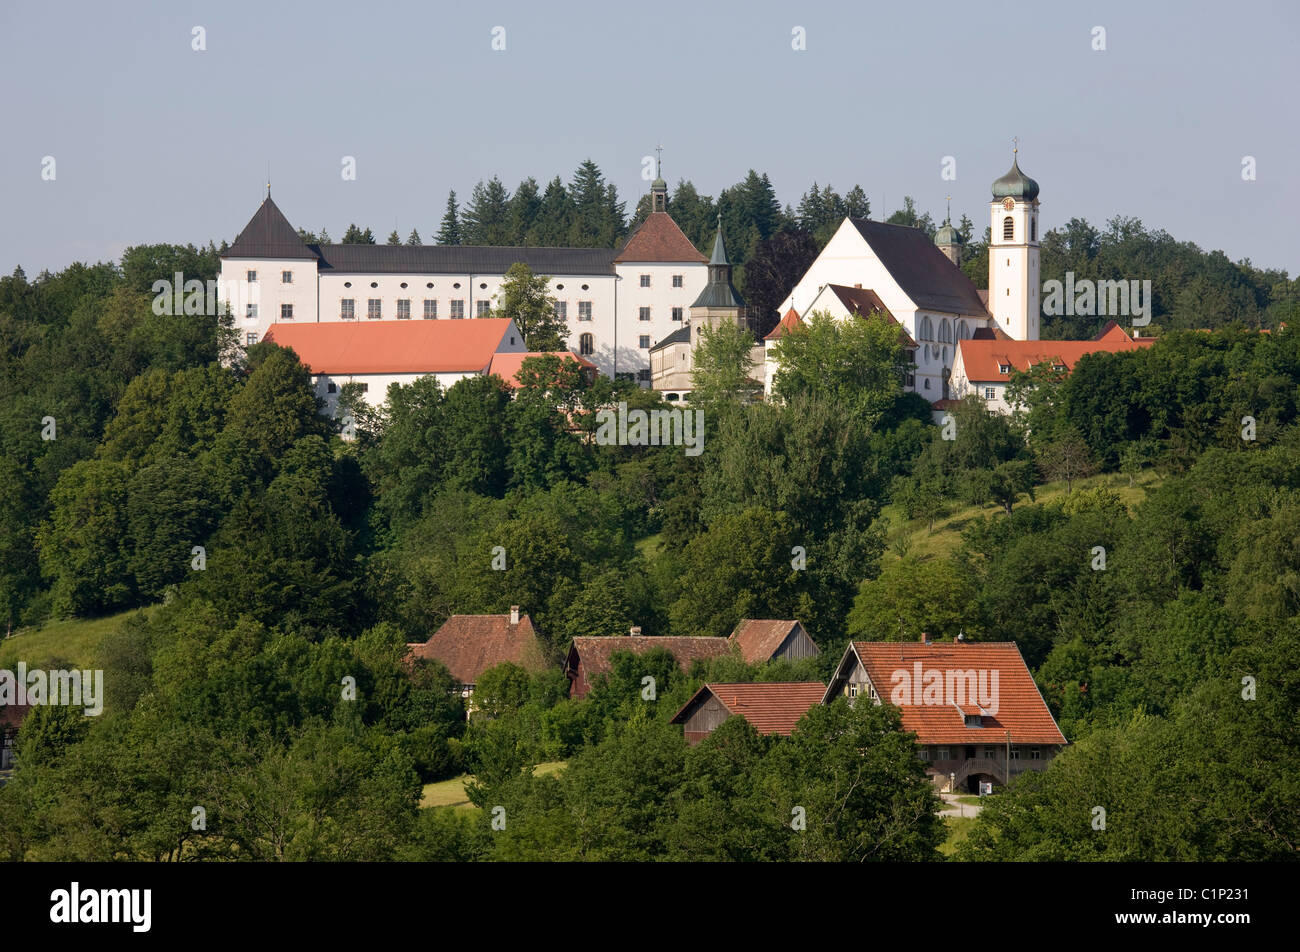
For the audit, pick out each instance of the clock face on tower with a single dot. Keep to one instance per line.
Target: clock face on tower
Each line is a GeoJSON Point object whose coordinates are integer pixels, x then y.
{"type": "Point", "coordinates": [1008, 203]}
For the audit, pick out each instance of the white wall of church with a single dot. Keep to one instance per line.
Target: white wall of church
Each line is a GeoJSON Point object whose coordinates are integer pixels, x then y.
{"type": "Point", "coordinates": [847, 259]}
{"type": "Point", "coordinates": [1014, 280]}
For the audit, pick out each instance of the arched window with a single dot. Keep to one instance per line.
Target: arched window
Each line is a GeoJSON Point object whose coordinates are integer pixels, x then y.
{"type": "Point", "coordinates": [963, 330]}
{"type": "Point", "coordinates": [945, 331]}
{"type": "Point", "coordinates": [1033, 229]}
{"type": "Point", "coordinates": [927, 329]}
{"type": "Point", "coordinates": [586, 345]}
{"type": "Point", "coordinates": [1008, 228]}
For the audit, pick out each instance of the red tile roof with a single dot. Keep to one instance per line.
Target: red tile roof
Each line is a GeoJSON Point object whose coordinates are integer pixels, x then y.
{"type": "Point", "coordinates": [1020, 707]}
{"type": "Point", "coordinates": [759, 638]}
{"type": "Point", "coordinates": [12, 715]}
{"type": "Point", "coordinates": [396, 347]}
{"type": "Point", "coordinates": [773, 707]}
{"type": "Point", "coordinates": [982, 359]}
{"type": "Point", "coordinates": [506, 366]}
{"type": "Point", "coordinates": [659, 239]}
{"type": "Point", "coordinates": [470, 644]}
{"type": "Point", "coordinates": [596, 653]}
{"type": "Point", "coordinates": [784, 326]}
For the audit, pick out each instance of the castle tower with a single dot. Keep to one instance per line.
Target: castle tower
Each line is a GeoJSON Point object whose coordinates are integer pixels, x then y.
{"type": "Point", "coordinates": [949, 239]}
{"type": "Point", "coordinates": [1014, 279]}
{"type": "Point", "coordinates": [718, 302]}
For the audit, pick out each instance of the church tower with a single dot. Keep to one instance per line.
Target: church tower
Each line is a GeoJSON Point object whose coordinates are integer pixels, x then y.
{"type": "Point", "coordinates": [948, 238]}
{"type": "Point", "coordinates": [1014, 279]}
{"type": "Point", "coordinates": [718, 302]}
{"type": "Point", "coordinates": [658, 188]}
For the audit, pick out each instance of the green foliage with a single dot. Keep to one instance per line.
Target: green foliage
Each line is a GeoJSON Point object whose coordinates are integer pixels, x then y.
{"type": "Point", "coordinates": [526, 299]}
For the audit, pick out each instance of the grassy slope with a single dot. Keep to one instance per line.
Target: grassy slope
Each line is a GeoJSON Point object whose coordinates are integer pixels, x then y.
{"type": "Point", "coordinates": [451, 793]}
{"type": "Point", "coordinates": [947, 531]}
{"type": "Point", "coordinates": [74, 640]}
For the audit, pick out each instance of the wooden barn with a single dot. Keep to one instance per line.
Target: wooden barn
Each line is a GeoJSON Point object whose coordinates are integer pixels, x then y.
{"type": "Point", "coordinates": [591, 659]}
{"type": "Point", "coordinates": [762, 639]}
{"type": "Point", "coordinates": [772, 707]}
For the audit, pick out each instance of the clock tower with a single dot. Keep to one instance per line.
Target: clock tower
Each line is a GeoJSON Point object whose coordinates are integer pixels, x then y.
{"type": "Point", "coordinates": [1014, 279]}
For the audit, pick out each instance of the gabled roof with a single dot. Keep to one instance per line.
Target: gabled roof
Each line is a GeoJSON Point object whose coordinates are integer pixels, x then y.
{"type": "Point", "coordinates": [462, 259]}
{"type": "Point", "coordinates": [396, 347]}
{"type": "Point", "coordinates": [983, 360]}
{"type": "Point", "coordinates": [759, 638]}
{"type": "Point", "coordinates": [862, 301]}
{"type": "Point", "coordinates": [507, 366]}
{"type": "Point", "coordinates": [268, 234]}
{"type": "Point", "coordinates": [1112, 331]}
{"type": "Point", "coordinates": [923, 271]}
{"type": "Point", "coordinates": [680, 336]}
{"type": "Point", "coordinates": [1020, 707]}
{"type": "Point", "coordinates": [470, 644]}
{"type": "Point", "coordinates": [658, 239]}
{"type": "Point", "coordinates": [784, 326]}
{"type": "Point", "coordinates": [773, 707]}
{"type": "Point", "coordinates": [596, 653]}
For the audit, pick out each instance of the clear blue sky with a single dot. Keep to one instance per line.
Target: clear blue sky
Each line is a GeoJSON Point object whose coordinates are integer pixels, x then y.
{"type": "Point", "coordinates": [156, 142]}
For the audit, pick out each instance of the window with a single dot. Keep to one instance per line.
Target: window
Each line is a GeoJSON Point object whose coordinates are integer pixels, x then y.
{"type": "Point", "coordinates": [1004, 368]}
{"type": "Point", "coordinates": [348, 309]}
{"type": "Point", "coordinates": [927, 329]}
{"type": "Point", "coordinates": [974, 720]}
{"type": "Point", "coordinates": [252, 277]}
{"type": "Point", "coordinates": [586, 345]}
{"type": "Point", "coordinates": [562, 310]}
{"type": "Point", "coordinates": [286, 312]}
{"type": "Point", "coordinates": [363, 387]}
{"type": "Point", "coordinates": [945, 331]}
{"type": "Point", "coordinates": [457, 309]}
{"type": "Point", "coordinates": [853, 690]}
{"type": "Point", "coordinates": [1035, 753]}
{"type": "Point", "coordinates": [430, 309]}
{"type": "Point", "coordinates": [677, 280]}
{"type": "Point", "coordinates": [989, 393]}
{"type": "Point", "coordinates": [942, 754]}
{"type": "Point", "coordinates": [374, 309]}
{"type": "Point", "coordinates": [250, 312]}
{"type": "Point", "coordinates": [645, 341]}
{"type": "Point", "coordinates": [331, 388]}
{"type": "Point", "coordinates": [584, 310]}
{"type": "Point", "coordinates": [927, 383]}
{"type": "Point", "coordinates": [990, 753]}
{"type": "Point", "coordinates": [1033, 229]}
{"type": "Point", "coordinates": [643, 374]}
{"type": "Point", "coordinates": [482, 308]}
{"type": "Point", "coordinates": [924, 753]}
{"type": "Point", "coordinates": [403, 309]}
{"type": "Point", "coordinates": [645, 280]}
{"type": "Point", "coordinates": [645, 314]}
{"type": "Point", "coordinates": [286, 277]}
{"type": "Point", "coordinates": [1008, 228]}
{"type": "Point", "coordinates": [677, 314]}
{"type": "Point", "coordinates": [251, 338]}
{"type": "Point", "coordinates": [1015, 753]}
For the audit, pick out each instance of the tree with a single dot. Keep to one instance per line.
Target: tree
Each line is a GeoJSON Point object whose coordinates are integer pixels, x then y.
{"type": "Point", "coordinates": [414, 237]}
{"type": "Point", "coordinates": [598, 217]}
{"type": "Point", "coordinates": [1067, 458]}
{"type": "Point", "coordinates": [526, 299]}
{"type": "Point", "coordinates": [394, 238]}
{"type": "Point", "coordinates": [525, 205]}
{"type": "Point", "coordinates": [554, 217]}
{"type": "Point", "coordinates": [486, 219]}
{"type": "Point", "coordinates": [912, 596]}
{"type": "Point", "coordinates": [84, 547]}
{"type": "Point", "coordinates": [1010, 479]}
{"type": "Point", "coordinates": [723, 365]}
{"type": "Point", "coordinates": [772, 272]}
{"type": "Point", "coordinates": [449, 231]}
{"type": "Point", "coordinates": [355, 236]}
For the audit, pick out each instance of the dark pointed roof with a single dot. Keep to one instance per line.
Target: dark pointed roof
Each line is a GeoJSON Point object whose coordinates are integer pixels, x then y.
{"type": "Point", "coordinates": [923, 271]}
{"type": "Point", "coordinates": [268, 234]}
{"type": "Point", "coordinates": [719, 249]}
{"type": "Point", "coordinates": [719, 291]}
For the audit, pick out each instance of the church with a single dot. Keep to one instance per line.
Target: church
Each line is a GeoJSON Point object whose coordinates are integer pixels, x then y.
{"type": "Point", "coordinates": [619, 303]}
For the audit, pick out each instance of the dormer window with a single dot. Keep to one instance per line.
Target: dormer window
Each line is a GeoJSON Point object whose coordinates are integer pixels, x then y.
{"type": "Point", "coordinates": [974, 720]}
{"type": "Point", "coordinates": [1004, 368]}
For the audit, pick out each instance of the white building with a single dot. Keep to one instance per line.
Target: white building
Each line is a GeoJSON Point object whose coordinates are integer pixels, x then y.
{"type": "Point", "coordinates": [618, 303]}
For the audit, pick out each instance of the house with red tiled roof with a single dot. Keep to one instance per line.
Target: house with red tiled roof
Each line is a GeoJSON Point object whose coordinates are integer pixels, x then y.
{"type": "Point", "coordinates": [984, 367]}
{"type": "Point", "coordinates": [978, 716]}
{"type": "Point", "coordinates": [376, 355]}
{"type": "Point", "coordinates": [470, 644]}
{"type": "Point", "coordinates": [772, 707]}
{"type": "Point", "coordinates": [11, 718]}
{"type": "Point", "coordinates": [507, 365]}
{"type": "Point", "coordinates": [762, 639]}
{"type": "Point", "coordinates": [592, 658]}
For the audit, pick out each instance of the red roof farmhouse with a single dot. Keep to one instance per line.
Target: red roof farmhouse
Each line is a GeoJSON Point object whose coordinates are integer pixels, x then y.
{"type": "Point", "coordinates": [591, 659]}
{"type": "Point", "coordinates": [470, 644]}
{"type": "Point", "coordinates": [762, 639]}
{"type": "Point", "coordinates": [772, 707]}
{"type": "Point", "coordinates": [977, 714]}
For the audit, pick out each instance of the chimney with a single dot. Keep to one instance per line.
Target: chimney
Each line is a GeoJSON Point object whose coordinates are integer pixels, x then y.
{"type": "Point", "coordinates": [925, 637]}
{"type": "Point", "coordinates": [858, 285]}
{"type": "Point", "coordinates": [514, 614]}
{"type": "Point", "coordinates": [635, 632]}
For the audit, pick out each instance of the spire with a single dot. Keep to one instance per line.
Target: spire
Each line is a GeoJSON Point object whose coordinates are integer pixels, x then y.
{"type": "Point", "coordinates": [659, 188]}
{"type": "Point", "coordinates": [719, 249]}
{"type": "Point", "coordinates": [719, 292]}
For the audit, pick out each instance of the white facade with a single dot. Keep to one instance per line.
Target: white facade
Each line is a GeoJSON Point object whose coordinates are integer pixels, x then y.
{"type": "Point", "coordinates": [1014, 281]}
{"type": "Point", "coordinates": [376, 385]}
{"type": "Point", "coordinates": [659, 300]}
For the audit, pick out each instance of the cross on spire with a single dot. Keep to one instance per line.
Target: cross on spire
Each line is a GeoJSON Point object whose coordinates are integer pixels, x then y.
{"type": "Point", "coordinates": [659, 161]}
{"type": "Point", "coordinates": [1015, 144]}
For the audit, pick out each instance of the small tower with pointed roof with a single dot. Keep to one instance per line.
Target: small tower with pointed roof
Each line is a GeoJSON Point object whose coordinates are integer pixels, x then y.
{"type": "Point", "coordinates": [719, 301]}
{"type": "Point", "coordinates": [659, 188]}
{"type": "Point", "coordinates": [949, 239]}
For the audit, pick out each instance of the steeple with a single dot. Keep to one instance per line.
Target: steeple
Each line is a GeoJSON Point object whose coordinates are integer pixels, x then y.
{"type": "Point", "coordinates": [719, 292]}
{"type": "Point", "coordinates": [659, 188]}
{"type": "Point", "coordinates": [948, 238]}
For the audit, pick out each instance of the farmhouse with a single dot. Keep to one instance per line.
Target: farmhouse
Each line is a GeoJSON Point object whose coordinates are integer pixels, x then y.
{"type": "Point", "coordinates": [591, 659]}
{"type": "Point", "coordinates": [470, 644]}
{"type": "Point", "coordinates": [974, 707]}
{"type": "Point", "coordinates": [772, 707]}
{"type": "Point", "coordinates": [762, 639]}
{"type": "Point", "coordinates": [11, 718]}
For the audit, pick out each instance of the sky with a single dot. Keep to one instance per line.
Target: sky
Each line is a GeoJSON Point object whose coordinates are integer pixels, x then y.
{"type": "Point", "coordinates": [155, 141]}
